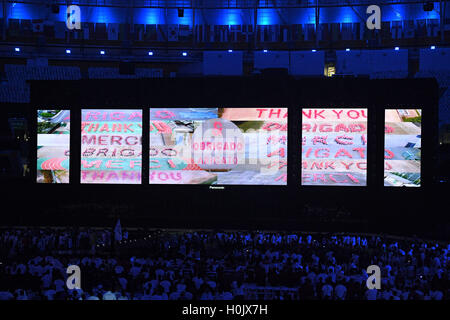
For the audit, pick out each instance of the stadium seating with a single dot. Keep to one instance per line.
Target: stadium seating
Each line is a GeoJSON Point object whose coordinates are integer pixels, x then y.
{"type": "Point", "coordinates": [389, 75]}
{"type": "Point", "coordinates": [25, 72]}
{"type": "Point", "coordinates": [16, 90]}
{"type": "Point", "coordinates": [379, 64]}
{"type": "Point", "coordinates": [443, 79]}
{"type": "Point", "coordinates": [113, 73]}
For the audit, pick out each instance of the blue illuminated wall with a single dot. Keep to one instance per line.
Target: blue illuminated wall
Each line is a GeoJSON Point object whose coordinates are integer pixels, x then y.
{"type": "Point", "coordinates": [388, 13]}
{"type": "Point", "coordinates": [104, 14]}
{"type": "Point", "coordinates": [268, 17]}
{"type": "Point", "coordinates": [301, 15]}
{"type": "Point", "coordinates": [149, 16]}
{"type": "Point", "coordinates": [408, 12]}
{"type": "Point", "coordinates": [343, 15]}
{"type": "Point", "coordinates": [24, 11]}
{"type": "Point", "coordinates": [161, 16]}
{"type": "Point", "coordinates": [286, 16]}
{"type": "Point", "coordinates": [88, 14]}
{"type": "Point", "coordinates": [223, 16]}
{"type": "Point", "coordinates": [172, 17]}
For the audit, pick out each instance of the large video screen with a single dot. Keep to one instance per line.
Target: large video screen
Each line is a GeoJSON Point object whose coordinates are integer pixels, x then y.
{"type": "Point", "coordinates": [111, 146]}
{"type": "Point", "coordinates": [218, 146]}
{"type": "Point", "coordinates": [53, 146]}
{"type": "Point", "coordinates": [334, 143]}
{"type": "Point", "coordinates": [402, 141]}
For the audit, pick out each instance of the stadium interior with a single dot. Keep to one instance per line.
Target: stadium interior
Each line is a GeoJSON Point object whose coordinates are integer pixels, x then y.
{"type": "Point", "coordinates": [196, 231]}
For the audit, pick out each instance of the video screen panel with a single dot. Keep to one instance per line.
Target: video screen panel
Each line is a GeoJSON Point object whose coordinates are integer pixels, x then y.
{"type": "Point", "coordinates": [53, 146]}
{"type": "Point", "coordinates": [402, 143]}
{"type": "Point", "coordinates": [218, 146]}
{"type": "Point", "coordinates": [111, 146]}
{"type": "Point", "coordinates": [334, 143]}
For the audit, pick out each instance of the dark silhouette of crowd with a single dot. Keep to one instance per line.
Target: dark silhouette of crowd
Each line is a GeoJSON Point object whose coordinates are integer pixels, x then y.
{"type": "Point", "coordinates": [217, 265]}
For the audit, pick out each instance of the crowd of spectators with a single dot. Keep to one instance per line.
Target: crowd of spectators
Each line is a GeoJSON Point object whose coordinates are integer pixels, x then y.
{"type": "Point", "coordinates": [217, 265]}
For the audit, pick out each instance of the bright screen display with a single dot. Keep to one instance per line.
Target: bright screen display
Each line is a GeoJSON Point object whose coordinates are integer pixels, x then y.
{"type": "Point", "coordinates": [53, 146]}
{"type": "Point", "coordinates": [334, 143]}
{"type": "Point", "coordinates": [402, 142]}
{"type": "Point", "coordinates": [111, 146]}
{"type": "Point", "coordinates": [223, 146]}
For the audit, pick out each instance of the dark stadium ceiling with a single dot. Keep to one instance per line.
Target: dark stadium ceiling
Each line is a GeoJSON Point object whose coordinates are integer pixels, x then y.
{"type": "Point", "coordinates": [221, 4]}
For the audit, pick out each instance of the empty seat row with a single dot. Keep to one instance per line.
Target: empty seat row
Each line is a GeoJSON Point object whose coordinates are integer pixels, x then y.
{"type": "Point", "coordinates": [16, 92]}
{"type": "Point", "coordinates": [113, 73]}
{"type": "Point", "coordinates": [25, 72]}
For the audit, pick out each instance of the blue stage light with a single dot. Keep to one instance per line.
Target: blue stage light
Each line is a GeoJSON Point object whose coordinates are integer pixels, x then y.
{"type": "Point", "coordinates": [313, 50]}
{"type": "Point", "coordinates": [68, 51]}
{"type": "Point", "coordinates": [184, 54]}
{"type": "Point", "coordinates": [17, 49]}
{"type": "Point", "coordinates": [230, 50]}
{"type": "Point", "coordinates": [433, 47]}
{"type": "Point", "coordinates": [265, 51]}
{"type": "Point", "coordinates": [347, 49]}
{"type": "Point", "coordinates": [150, 53]}
{"type": "Point", "coordinates": [397, 48]}
{"type": "Point", "coordinates": [102, 52]}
